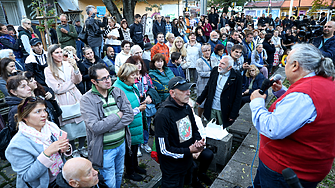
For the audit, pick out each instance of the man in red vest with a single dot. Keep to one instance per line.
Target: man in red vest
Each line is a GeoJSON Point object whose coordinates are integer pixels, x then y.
{"type": "Point", "coordinates": [298, 130]}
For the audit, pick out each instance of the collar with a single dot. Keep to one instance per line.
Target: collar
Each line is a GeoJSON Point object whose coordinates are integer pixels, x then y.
{"type": "Point", "coordinates": [310, 75]}
{"type": "Point", "coordinates": [95, 91]}
{"type": "Point", "coordinates": [227, 74]}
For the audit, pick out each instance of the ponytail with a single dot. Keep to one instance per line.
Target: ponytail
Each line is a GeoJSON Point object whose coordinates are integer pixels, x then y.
{"type": "Point", "coordinates": [326, 68]}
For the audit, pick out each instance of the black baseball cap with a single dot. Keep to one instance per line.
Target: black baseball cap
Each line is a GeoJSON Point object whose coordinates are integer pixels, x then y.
{"type": "Point", "coordinates": [179, 83]}
{"type": "Point", "coordinates": [148, 46]}
{"type": "Point", "coordinates": [35, 41]}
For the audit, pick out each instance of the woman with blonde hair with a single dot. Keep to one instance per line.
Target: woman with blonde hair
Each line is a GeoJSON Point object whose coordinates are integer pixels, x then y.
{"type": "Point", "coordinates": [253, 82]}
{"type": "Point", "coordinates": [126, 77]}
{"type": "Point", "coordinates": [170, 39]}
{"type": "Point", "coordinates": [61, 76]}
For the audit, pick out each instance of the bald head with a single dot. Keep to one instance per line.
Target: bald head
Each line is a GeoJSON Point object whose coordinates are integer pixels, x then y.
{"type": "Point", "coordinates": [328, 29]}
{"type": "Point", "coordinates": [136, 50]}
{"type": "Point", "coordinates": [78, 172]}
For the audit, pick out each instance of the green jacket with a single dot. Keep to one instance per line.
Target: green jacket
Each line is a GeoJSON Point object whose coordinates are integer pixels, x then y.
{"type": "Point", "coordinates": [68, 39]}
{"type": "Point", "coordinates": [135, 127]}
{"type": "Point", "coordinates": [161, 81]}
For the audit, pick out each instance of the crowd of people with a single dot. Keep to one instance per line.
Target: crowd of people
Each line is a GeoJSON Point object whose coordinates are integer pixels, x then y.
{"type": "Point", "coordinates": [116, 88]}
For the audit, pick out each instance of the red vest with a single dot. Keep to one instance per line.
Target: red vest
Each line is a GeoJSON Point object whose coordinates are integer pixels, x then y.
{"type": "Point", "coordinates": [310, 150]}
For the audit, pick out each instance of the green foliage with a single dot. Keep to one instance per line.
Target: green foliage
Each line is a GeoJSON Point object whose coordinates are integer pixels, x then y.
{"type": "Point", "coordinates": [152, 6]}
{"type": "Point", "coordinates": [318, 4]}
{"type": "Point", "coordinates": [44, 9]}
{"type": "Point", "coordinates": [225, 4]}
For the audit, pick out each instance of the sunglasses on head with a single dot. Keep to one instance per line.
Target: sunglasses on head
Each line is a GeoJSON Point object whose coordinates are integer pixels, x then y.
{"type": "Point", "coordinates": [31, 99]}
{"type": "Point", "coordinates": [181, 82]}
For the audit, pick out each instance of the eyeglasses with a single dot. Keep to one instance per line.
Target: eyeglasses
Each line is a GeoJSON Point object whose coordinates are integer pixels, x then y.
{"type": "Point", "coordinates": [28, 23]}
{"type": "Point", "coordinates": [181, 82]}
{"type": "Point", "coordinates": [104, 79]}
{"type": "Point", "coordinates": [31, 99]}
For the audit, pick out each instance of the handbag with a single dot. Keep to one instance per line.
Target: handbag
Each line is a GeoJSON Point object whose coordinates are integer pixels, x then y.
{"type": "Point", "coordinates": [83, 35]}
{"type": "Point", "coordinates": [150, 110]}
{"type": "Point", "coordinates": [70, 111]}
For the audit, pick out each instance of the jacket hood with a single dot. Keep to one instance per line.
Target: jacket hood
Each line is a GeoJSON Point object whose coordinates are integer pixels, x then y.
{"type": "Point", "coordinates": [11, 100]}
{"type": "Point", "coordinates": [60, 181]}
{"type": "Point", "coordinates": [170, 64]}
{"type": "Point", "coordinates": [171, 103]}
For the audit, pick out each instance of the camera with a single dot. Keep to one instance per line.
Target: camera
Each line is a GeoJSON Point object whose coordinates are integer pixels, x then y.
{"type": "Point", "coordinates": [309, 32]}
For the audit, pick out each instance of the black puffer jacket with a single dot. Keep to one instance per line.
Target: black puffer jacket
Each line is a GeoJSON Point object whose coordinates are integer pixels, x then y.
{"type": "Point", "coordinates": [12, 102]}
{"type": "Point", "coordinates": [136, 33]}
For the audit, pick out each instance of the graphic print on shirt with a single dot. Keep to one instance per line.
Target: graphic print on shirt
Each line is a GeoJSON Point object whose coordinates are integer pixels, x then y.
{"type": "Point", "coordinates": [184, 129]}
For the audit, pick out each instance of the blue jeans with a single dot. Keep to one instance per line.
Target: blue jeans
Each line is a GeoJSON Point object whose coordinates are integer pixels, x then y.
{"type": "Point", "coordinates": [79, 47]}
{"type": "Point", "coordinates": [96, 51]}
{"type": "Point", "coordinates": [267, 178]}
{"type": "Point", "coordinates": [113, 166]}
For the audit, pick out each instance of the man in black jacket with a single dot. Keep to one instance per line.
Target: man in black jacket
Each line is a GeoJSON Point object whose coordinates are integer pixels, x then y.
{"type": "Point", "coordinates": [223, 93]}
{"type": "Point", "coordinates": [326, 43]}
{"type": "Point", "coordinates": [176, 134]}
{"type": "Point", "coordinates": [136, 31]}
{"type": "Point", "coordinates": [94, 32]}
{"type": "Point", "coordinates": [213, 18]}
{"type": "Point", "coordinates": [158, 27]}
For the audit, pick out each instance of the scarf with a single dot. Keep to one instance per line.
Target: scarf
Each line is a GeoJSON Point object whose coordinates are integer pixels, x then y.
{"type": "Point", "coordinates": [44, 138]}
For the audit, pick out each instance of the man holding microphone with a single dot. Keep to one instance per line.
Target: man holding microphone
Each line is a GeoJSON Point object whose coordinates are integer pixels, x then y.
{"type": "Point", "coordinates": [298, 130]}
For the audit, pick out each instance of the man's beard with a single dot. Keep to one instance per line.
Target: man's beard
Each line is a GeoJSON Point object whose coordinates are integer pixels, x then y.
{"type": "Point", "coordinates": [112, 57]}
{"type": "Point", "coordinates": [222, 71]}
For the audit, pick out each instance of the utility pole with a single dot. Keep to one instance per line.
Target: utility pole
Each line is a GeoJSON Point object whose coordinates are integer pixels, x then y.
{"type": "Point", "coordinates": [291, 5]}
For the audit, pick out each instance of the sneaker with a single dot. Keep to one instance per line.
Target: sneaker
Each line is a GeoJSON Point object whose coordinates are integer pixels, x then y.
{"type": "Point", "coordinates": [146, 147]}
{"type": "Point", "coordinates": [75, 154]}
{"type": "Point", "coordinates": [134, 176]}
{"type": "Point", "coordinates": [83, 152]}
{"type": "Point", "coordinates": [139, 154]}
{"type": "Point", "coordinates": [140, 170]}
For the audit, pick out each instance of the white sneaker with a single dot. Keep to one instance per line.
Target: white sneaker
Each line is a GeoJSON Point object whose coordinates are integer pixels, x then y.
{"type": "Point", "coordinates": [83, 152]}
{"type": "Point", "coordinates": [75, 154]}
{"type": "Point", "coordinates": [139, 154]}
{"type": "Point", "coordinates": [146, 147]}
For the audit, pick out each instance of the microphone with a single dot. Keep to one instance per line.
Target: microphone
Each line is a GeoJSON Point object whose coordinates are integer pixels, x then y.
{"type": "Point", "coordinates": [291, 178]}
{"type": "Point", "coordinates": [268, 83]}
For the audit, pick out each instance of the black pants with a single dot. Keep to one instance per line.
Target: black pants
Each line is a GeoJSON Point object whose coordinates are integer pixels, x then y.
{"type": "Point", "coordinates": [245, 99]}
{"type": "Point", "coordinates": [177, 180]}
{"type": "Point", "coordinates": [205, 158]}
{"type": "Point", "coordinates": [131, 160]}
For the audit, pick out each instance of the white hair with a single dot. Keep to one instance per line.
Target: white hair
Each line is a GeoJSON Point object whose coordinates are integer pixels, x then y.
{"type": "Point", "coordinates": [311, 59]}
{"type": "Point", "coordinates": [5, 53]}
{"type": "Point", "coordinates": [25, 20]}
{"type": "Point", "coordinates": [89, 8]}
{"type": "Point", "coordinates": [132, 49]}
{"type": "Point", "coordinates": [212, 33]}
{"type": "Point", "coordinates": [230, 60]}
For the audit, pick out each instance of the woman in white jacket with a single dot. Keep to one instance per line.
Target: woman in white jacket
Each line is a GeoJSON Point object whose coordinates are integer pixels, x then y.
{"type": "Point", "coordinates": [122, 57]}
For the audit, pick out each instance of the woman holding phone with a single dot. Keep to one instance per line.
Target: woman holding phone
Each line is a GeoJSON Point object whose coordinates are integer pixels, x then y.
{"type": "Point", "coordinates": [38, 161]}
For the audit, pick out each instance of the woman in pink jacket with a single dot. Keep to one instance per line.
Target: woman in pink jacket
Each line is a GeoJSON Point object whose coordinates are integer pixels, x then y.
{"type": "Point", "coordinates": [62, 76]}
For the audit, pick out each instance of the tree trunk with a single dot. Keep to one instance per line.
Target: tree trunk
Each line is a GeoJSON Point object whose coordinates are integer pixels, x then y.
{"type": "Point", "coordinates": [112, 8]}
{"type": "Point", "coordinates": [128, 10]}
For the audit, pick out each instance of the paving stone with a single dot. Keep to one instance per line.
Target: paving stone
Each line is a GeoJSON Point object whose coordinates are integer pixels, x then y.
{"type": "Point", "coordinates": [250, 141]}
{"type": "Point", "coordinates": [246, 155]}
{"type": "Point", "coordinates": [222, 183]}
{"type": "Point", "coordinates": [253, 131]}
{"type": "Point", "coordinates": [237, 173]}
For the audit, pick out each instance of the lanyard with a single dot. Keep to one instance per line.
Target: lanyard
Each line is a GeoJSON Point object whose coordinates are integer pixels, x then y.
{"type": "Point", "coordinates": [206, 62]}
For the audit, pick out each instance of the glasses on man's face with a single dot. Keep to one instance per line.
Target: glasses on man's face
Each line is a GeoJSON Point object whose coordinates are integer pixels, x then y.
{"type": "Point", "coordinates": [28, 23]}
{"type": "Point", "coordinates": [31, 99]}
{"type": "Point", "coordinates": [181, 82]}
{"type": "Point", "coordinates": [104, 79]}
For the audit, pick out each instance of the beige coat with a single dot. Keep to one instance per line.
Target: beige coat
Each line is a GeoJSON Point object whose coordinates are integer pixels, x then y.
{"type": "Point", "coordinates": [65, 89]}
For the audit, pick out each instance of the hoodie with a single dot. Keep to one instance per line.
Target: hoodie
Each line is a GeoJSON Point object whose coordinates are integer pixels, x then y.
{"type": "Point", "coordinates": [12, 102]}
{"type": "Point", "coordinates": [175, 131]}
{"type": "Point", "coordinates": [36, 64]}
{"type": "Point", "coordinates": [177, 70]}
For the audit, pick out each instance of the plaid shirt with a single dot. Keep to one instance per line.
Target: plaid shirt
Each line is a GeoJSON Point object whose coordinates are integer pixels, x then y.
{"type": "Point", "coordinates": [168, 28]}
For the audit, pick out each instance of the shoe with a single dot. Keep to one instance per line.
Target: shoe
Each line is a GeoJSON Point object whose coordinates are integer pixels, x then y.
{"type": "Point", "coordinates": [83, 152]}
{"type": "Point", "coordinates": [75, 154]}
{"type": "Point", "coordinates": [134, 176]}
{"type": "Point", "coordinates": [204, 178]}
{"type": "Point", "coordinates": [139, 154]}
{"type": "Point", "coordinates": [146, 147]}
{"type": "Point", "coordinates": [197, 184]}
{"type": "Point", "coordinates": [140, 170]}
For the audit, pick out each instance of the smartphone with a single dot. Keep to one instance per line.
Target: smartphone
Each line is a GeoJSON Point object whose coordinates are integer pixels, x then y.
{"type": "Point", "coordinates": [70, 54]}
{"type": "Point", "coordinates": [62, 135]}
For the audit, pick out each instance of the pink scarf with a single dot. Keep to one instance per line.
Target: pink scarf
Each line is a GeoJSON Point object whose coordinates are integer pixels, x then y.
{"type": "Point", "coordinates": [44, 138]}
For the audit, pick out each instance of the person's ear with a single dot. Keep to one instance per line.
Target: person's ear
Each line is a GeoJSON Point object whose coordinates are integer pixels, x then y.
{"type": "Point", "coordinates": [73, 183]}
{"type": "Point", "coordinates": [295, 66]}
{"type": "Point", "coordinates": [13, 92]}
{"type": "Point", "coordinates": [94, 81]}
{"type": "Point", "coordinates": [171, 91]}
{"type": "Point", "coordinates": [230, 68]}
